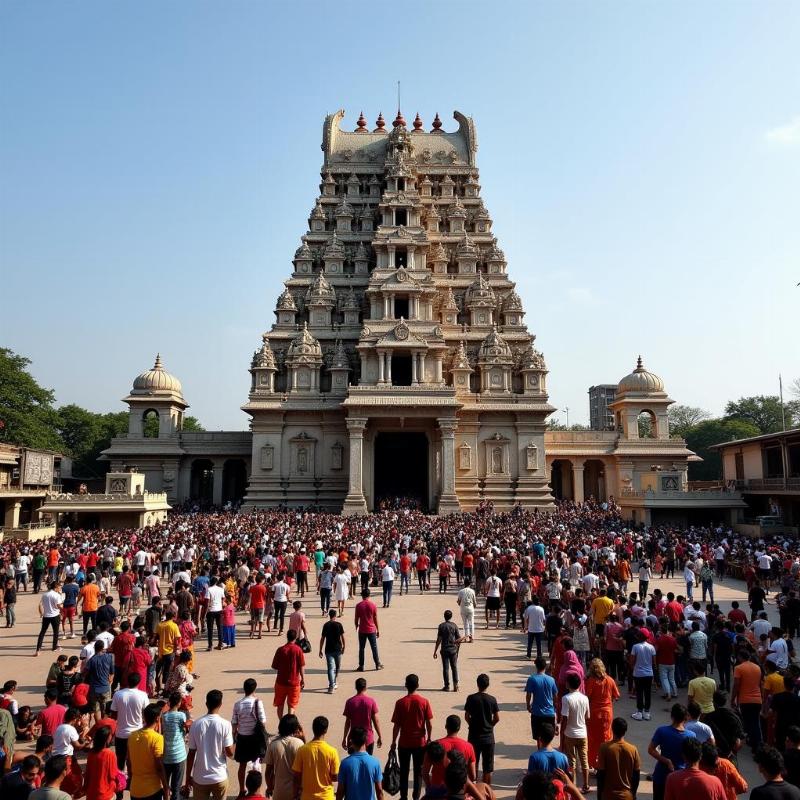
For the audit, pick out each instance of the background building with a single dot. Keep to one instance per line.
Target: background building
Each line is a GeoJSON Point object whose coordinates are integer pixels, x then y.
{"type": "Point", "coordinates": [601, 418]}
{"type": "Point", "coordinates": [766, 470]}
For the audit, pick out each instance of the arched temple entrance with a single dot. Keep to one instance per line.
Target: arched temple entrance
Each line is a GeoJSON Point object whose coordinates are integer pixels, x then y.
{"type": "Point", "coordinates": [401, 467]}
{"type": "Point", "coordinates": [561, 479]}
{"type": "Point", "coordinates": [234, 481]}
{"type": "Point", "coordinates": [594, 480]}
{"type": "Point", "coordinates": [201, 487]}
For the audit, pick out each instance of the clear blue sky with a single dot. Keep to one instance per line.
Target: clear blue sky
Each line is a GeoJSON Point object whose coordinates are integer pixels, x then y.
{"type": "Point", "coordinates": [641, 161]}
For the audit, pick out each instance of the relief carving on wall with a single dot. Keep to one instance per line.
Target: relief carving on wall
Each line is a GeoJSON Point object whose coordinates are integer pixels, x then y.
{"type": "Point", "coordinates": [267, 457]}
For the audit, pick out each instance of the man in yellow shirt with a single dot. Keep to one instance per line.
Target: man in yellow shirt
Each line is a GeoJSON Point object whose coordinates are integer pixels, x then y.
{"type": "Point", "coordinates": [602, 606]}
{"type": "Point", "coordinates": [316, 765]}
{"type": "Point", "coordinates": [145, 752]}
{"type": "Point", "coordinates": [702, 688]}
{"type": "Point", "coordinates": [168, 637]}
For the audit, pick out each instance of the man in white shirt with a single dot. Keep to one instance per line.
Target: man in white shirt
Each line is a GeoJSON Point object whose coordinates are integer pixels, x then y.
{"type": "Point", "coordinates": [215, 595]}
{"type": "Point", "coordinates": [210, 745]}
{"type": "Point", "coordinates": [765, 569]}
{"type": "Point", "coordinates": [778, 649]}
{"type": "Point", "coordinates": [533, 619]}
{"type": "Point", "coordinates": [719, 558]}
{"type": "Point", "coordinates": [65, 736]}
{"type": "Point", "coordinates": [574, 733]}
{"type": "Point", "coordinates": [761, 626]}
{"type": "Point", "coordinates": [127, 706]}
{"type": "Point", "coordinates": [493, 588]}
{"type": "Point", "coordinates": [280, 597]}
{"type": "Point", "coordinates": [387, 581]}
{"type": "Point", "coordinates": [50, 611]}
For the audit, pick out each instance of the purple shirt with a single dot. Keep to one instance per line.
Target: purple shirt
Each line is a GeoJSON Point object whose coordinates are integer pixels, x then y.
{"type": "Point", "coordinates": [359, 710]}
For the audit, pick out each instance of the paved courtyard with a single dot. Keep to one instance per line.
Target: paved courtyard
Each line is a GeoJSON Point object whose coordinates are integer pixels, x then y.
{"type": "Point", "coordinates": [408, 631]}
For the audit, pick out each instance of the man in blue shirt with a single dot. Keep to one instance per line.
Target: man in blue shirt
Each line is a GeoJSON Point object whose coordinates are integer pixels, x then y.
{"type": "Point", "coordinates": [546, 758]}
{"type": "Point", "coordinates": [540, 695]}
{"type": "Point", "coordinates": [360, 773]}
{"type": "Point", "coordinates": [70, 590]}
{"type": "Point", "coordinates": [99, 674]}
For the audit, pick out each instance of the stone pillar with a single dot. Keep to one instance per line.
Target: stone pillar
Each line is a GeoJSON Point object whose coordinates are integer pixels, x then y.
{"type": "Point", "coordinates": [381, 372]}
{"type": "Point", "coordinates": [577, 482]}
{"type": "Point", "coordinates": [421, 367]}
{"type": "Point", "coordinates": [448, 500]}
{"type": "Point", "coordinates": [414, 373]}
{"type": "Point", "coordinates": [389, 367]}
{"type": "Point", "coordinates": [13, 508]}
{"type": "Point", "coordinates": [438, 364]}
{"type": "Point", "coordinates": [355, 502]}
{"type": "Point", "coordinates": [217, 493]}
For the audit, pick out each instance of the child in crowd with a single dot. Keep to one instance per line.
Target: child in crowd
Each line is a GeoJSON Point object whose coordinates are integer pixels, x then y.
{"type": "Point", "coordinates": [229, 622]}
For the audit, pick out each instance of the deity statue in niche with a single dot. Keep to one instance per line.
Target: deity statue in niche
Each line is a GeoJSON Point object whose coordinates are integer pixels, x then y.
{"type": "Point", "coordinates": [532, 456]}
{"type": "Point", "coordinates": [497, 460]}
{"type": "Point", "coordinates": [302, 459]}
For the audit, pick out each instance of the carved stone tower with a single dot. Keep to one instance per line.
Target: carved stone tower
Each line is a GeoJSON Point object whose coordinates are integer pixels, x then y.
{"type": "Point", "coordinates": [399, 365]}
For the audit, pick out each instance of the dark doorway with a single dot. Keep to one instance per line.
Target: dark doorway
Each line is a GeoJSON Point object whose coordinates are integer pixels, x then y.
{"type": "Point", "coordinates": [401, 370]}
{"type": "Point", "coordinates": [401, 469]}
{"type": "Point", "coordinates": [234, 481]}
{"type": "Point", "coordinates": [202, 482]}
{"type": "Point", "coordinates": [400, 307]}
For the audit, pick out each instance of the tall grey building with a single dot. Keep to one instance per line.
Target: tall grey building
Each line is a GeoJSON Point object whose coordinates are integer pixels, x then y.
{"type": "Point", "coordinates": [601, 418]}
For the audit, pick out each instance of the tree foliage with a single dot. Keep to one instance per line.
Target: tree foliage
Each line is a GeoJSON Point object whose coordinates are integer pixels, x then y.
{"type": "Point", "coordinates": [763, 411]}
{"type": "Point", "coordinates": [681, 418]}
{"type": "Point", "coordinates": [30, 419]}
{"type": "Point", "coordinates": [26, 409]}
{"type": "Point", "coordinates": [700, 437]}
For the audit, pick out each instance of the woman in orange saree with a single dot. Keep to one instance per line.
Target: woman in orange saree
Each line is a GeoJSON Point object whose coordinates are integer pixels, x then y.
{"type": "Point", "coordinates": [602, 691]}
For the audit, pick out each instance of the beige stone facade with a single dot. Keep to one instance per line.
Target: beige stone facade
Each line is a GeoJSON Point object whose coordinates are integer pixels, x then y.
{"type": "Point", "coordinates": [399, 363]}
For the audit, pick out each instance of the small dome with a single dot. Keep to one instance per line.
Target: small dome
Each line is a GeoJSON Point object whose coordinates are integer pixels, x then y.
{"type": "Point", "coordinates": [303, 252]}
{"type": "Point", "coordinates": [340, 360]}
{"type": "Point", "coordinates": [640, 381]}
{"type": "Point", "coordinates": [320, 291]}
{"type": "Point", "coordinates": [344, 209]}
{"type": "Point", "coordinates": [496, 254]}
{"type": "Point", "coordinates": [457, 210]}
{"type": "Point", "coordinates": [304, 346]}
{"type": "Point", "coordinates": [480, 293]}
{"type": "Point", "coordinates": [286, 301]}
{"type": "Point", "coordinates": [533, 359]}
{"type": "Point", "coordinates": [438, 253]}
{"type": "Point", "coordinates": [512, 302]}
{"type": "Point", "coordinates": [334, 248]}
{"type": "Point", "coordinates": [460, 360]}
{"type": "Point", "coordinates": [157, 381]}
{"type": "Point", "coordinates": [467, 247]}
{"type": "Point", "coordinates": [495, 348]}
{"type": "Point", "coordinates": [317, 212]}
{"type": "Point", "coordinates": [264, 358]}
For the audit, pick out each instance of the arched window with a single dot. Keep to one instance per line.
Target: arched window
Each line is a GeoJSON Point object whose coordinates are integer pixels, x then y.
{"type": "Point", "coordinates": [151, 424]}
{"type": "Point", "coordinates": [646, 422]}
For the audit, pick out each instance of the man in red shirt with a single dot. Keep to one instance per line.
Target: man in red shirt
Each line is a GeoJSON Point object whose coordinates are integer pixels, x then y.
{"type": "Point", "coordinates": [125, 589]}
{"type": "Point", "coordinates": [666, 645]}
{"type": "Point", "coordinates": [736, 615]}
{"type": "Point", "coordinates": [258, 604]}
{"type": "Point", "coordinates": [366, 619]}
{"type": "Point", "coordinates": [405, 570]}
{"type": "Point", "coordinates": [52, 715]}
{"type": "Point", "coordinates": [121, 648]}
{"type": "Point", "coordinates": [469, 562]}
{"type": "Point", "coordinates": [301, 564]}
{"type": "Point", "coordinates": [53, 559]}
{"type": "Point", "coordinates": [434, 773]}
{"type": "Point", "coordinates": [411, 732]}
{"type": "Point", "coordinates": [673, 610]}
{"type": "Point", "coordinates": [289, 663]}
{"type": "Point", "coordinates": [422, 565]}
{"type": "Point", "coordinates": [691, 783]}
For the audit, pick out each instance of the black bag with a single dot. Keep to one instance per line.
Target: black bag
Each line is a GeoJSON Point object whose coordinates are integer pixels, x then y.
{"type": "Point", "coordinates": [391, 774]}
{"type": "Point", "coordinates": [305, 645]}
{"type": "Point", "coordinates": [259, 733]}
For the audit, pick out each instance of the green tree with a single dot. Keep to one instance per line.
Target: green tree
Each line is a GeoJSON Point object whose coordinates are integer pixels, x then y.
{"type": "Point", "coordinates": [763, 411]}
{"type": "Point", "coordinates": [86, 434]}
{"type": "Point", "coordinates": [700, 437]}
{"type": "Point", "coordinates": [681, 418]}
{"type": "Point", "coordinates": [27, 416]}
{"type": "Point", "coordinates": [192, 424]}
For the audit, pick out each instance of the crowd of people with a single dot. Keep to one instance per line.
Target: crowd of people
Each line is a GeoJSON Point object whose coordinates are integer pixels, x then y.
{"type": "Point", "coordinates": [577, 584]}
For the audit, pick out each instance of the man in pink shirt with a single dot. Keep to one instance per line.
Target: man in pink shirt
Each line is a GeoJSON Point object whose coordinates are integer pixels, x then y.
{"type": "Point", "coordinates": [361, 711]}
{"type": "Point", "coordinates": [366, 619]}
